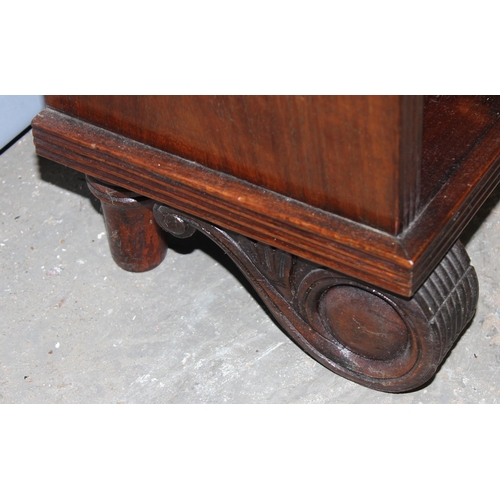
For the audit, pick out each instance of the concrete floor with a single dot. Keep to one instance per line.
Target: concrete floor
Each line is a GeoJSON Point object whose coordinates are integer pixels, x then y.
{"type": "Point", "coordinates": [75, 328]}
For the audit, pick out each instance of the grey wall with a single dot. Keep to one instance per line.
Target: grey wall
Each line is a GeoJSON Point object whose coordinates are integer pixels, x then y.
{"type": "Point", "coordinates": [16, 113]}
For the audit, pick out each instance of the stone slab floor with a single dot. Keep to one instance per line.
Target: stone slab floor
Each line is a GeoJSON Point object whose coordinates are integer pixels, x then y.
{"type": "Point", "coordinates": [75, 328]}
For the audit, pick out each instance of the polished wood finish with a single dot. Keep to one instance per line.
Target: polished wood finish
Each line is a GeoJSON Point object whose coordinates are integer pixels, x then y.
{"type": "Point", "coordinates": [358, 157]}
{"type": "Point", "coordinates": [453, 127]}
{"type": "Point", "coordinates": [136, 241]}
{"type": "Point", "coordinates": [342, 211]}
{"type": "Point", "coordinates": [398, 263]}
{"type": "Point", "coordinates": [372, 337]}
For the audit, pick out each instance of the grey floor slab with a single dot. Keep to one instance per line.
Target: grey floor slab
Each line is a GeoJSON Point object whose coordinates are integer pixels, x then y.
{"type": "Point", "coordinates": [75, 328]}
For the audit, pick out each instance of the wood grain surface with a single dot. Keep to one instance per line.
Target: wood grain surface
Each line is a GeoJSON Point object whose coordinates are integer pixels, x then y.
{"type": "Point", "coordinates": [356, 156]}
{"type": "Point", "coordinates": [428, 206]}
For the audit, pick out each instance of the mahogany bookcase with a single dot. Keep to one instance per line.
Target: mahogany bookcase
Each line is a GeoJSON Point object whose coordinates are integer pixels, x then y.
{"type": "Point", "coordinates": [343, 212]}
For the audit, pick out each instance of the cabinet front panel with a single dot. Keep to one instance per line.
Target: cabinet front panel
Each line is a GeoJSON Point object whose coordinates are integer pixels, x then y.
{"type": "Point", "coordinates": [342, 154]}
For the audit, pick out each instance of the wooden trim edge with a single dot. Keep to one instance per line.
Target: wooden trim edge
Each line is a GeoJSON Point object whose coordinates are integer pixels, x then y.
{"type": "Point", "coordinates": [358, 251]}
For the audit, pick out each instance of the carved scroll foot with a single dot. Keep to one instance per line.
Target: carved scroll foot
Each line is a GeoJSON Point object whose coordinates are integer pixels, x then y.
{"type": "Point", "coordinates": [372, 337]}
{"type": "Point", "coordinates": [136, 242]}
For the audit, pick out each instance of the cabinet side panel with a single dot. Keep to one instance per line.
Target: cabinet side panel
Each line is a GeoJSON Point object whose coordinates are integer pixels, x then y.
{"type": "Point", "coordinates": [454, 125]}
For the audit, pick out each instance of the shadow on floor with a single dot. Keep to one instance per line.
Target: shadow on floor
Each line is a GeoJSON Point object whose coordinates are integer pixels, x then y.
{"type": "Point", "coordinates": [75, 182]}
{"type": "Point", "coordinates": [491, 202]}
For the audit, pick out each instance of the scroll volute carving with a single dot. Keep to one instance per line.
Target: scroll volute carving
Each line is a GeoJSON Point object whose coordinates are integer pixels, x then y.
{"type": "Point", "coordinates": [372, 337]}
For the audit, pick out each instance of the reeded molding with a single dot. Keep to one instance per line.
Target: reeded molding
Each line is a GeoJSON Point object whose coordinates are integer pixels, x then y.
{"type": "Point", "coordinates": [398, 264]}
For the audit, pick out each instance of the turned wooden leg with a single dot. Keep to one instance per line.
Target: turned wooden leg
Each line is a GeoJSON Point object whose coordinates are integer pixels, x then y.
{"type": "Point", "coordinates": [370, 336]}
{"type": "Point", "coordinates": [136, 242]}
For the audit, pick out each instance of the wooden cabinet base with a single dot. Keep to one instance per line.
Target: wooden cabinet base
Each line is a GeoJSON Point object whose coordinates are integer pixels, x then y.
{"type": "Point", "coordinates": [342, 211]}
{"type": "Point", "coordinates": [367, 335]}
